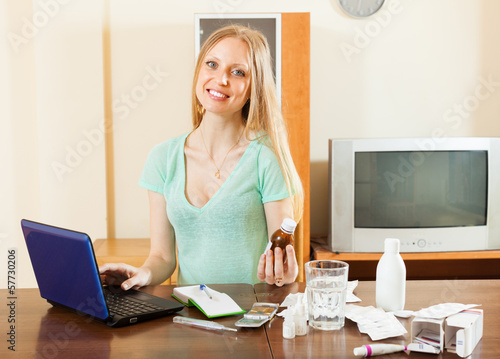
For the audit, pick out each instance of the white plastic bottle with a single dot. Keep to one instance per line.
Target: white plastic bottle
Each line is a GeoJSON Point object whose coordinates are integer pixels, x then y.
{"type": "Point", "coordinates": [391, 278]}
{"type": "Point", "coordinates": [300, 319]}
{"type": "Point", "coordinates": [289, 325]}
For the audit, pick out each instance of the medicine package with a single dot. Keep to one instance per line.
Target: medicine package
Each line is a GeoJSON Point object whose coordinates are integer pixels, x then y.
{"type": "Point", "coordinates": [258, 315]}
{"type": "Point", "coordinates": [457, 332]}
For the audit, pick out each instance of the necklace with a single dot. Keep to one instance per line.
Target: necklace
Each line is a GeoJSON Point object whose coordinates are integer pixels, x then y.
{"type": "Point", "coordinates": [217, 174]}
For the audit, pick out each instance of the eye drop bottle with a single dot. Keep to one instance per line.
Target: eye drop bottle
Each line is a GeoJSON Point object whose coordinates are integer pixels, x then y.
{"type": "Point", "coordinates": [390, 284]}
{"type": "Point", "coordinates": [289, 325]}
{"type": "Point", "coordinates": [300, 319]}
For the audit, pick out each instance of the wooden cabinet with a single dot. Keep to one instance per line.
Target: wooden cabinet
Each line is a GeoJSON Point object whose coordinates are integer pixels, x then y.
{"type": "Point", "coordinates": [442, 265]}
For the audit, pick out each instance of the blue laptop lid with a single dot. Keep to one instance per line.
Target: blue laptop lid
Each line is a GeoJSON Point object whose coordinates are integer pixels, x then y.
{"type": "Point", "coordinates": [65, 267]}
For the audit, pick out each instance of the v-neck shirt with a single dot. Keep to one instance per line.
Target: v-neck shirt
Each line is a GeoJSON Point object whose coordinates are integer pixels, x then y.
{"type": "Point", "coordinates": [222, 241]}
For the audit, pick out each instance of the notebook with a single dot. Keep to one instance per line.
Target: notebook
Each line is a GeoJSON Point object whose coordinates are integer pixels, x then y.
{"type": "Point", "coordinates": [68, 276]}
{"type": "Point", "coordinates": [220, 304]}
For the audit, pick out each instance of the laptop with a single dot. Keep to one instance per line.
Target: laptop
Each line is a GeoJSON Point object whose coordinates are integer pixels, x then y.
{"type": "Point", "coordinates": [68, 276]}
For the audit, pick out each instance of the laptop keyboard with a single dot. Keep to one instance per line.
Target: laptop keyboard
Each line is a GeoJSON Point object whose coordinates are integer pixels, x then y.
{"type": "Point", "coordinates": [123, 306]}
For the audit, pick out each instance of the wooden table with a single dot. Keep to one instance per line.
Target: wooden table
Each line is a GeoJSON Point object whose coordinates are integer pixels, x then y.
{"type": "Point", "coordinates": [46, 332]}
{"type": "Point", "coordinates": [419, 294]}
{"type": "Point", "coordinates": [43, 331]}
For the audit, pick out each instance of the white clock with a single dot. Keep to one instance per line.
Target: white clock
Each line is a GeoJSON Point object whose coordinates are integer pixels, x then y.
{"type": "Point", "coordinates": [361, 8]}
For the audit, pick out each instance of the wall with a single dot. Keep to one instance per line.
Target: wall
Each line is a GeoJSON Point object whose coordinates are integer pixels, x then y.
{"type": "Point", "coordinates": [418, 68]}
{"type": "Point", "coordinates": [52, 161]}
{"type": "Point", "coordinates": [412, 71]}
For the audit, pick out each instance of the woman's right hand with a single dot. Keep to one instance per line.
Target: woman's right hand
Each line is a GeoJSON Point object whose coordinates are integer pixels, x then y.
{"type": "Point", "coordinates": [125, 275]}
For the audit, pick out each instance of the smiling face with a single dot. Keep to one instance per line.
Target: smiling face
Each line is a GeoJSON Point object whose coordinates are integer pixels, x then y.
{"type": "Point", "coordinates": [223, 85]}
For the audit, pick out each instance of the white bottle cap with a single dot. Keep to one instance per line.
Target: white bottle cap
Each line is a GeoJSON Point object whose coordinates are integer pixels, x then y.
{"type": "Point", "coordinates": [391, 245]}
{"type": "Point", "coordinates": [360, 351]}
{"type": "Point", "coordinates": [288, 225]}
{"type": "Point", "coordinates": [300, 309]}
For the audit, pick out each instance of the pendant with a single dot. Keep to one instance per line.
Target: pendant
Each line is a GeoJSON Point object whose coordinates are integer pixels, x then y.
{"type": "Point", "coordinates": [217, 174]}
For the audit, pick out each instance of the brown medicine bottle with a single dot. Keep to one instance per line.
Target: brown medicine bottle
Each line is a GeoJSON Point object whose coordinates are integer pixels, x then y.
{"type": "Point", "coordinates": [283, 236]}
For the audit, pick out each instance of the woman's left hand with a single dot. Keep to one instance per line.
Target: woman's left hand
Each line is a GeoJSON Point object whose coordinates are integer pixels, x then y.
{"type": "Point", "coordinates": [277, 272]}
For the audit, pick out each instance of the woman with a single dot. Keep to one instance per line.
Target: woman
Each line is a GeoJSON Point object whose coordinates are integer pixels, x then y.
{"type": "Point", "coordinates": [219, 192]}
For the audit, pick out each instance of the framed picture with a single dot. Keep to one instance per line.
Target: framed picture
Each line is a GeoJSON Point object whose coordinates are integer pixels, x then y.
{"type": "Point", "coordinates": [268, 24]}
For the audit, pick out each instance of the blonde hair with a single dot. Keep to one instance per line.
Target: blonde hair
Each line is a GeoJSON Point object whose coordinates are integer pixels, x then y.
{"type": "Point", "coordinates": [262, 114]}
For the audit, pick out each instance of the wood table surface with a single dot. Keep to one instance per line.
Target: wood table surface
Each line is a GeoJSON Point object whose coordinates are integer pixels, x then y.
{"type": "Point", "coordinates": [419, 294]}
{"type": "Point", "coordinates": [43, 331]}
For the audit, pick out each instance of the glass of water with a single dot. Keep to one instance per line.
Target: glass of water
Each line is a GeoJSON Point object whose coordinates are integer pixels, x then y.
{"type": "Point", "coordinates": [326, 286]}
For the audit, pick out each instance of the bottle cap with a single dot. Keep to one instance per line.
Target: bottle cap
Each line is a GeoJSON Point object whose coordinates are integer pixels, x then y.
{"type": "Point", "coordinates": [360, 351]}
{"type": "Point", "coordinates": [290, 313]}
{"type": "Point", "coordinates": [288, 225]}
{"type": "Point", "coordinates": [391, 245]}
{"type": "Point", "coordinates": [300, 309]}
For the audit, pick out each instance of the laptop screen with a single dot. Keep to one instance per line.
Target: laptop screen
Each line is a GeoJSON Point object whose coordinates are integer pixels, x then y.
{"type": "Point", "coordinates": [65, 268]}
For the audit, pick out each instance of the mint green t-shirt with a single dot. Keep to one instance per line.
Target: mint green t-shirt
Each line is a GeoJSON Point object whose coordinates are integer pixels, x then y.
{"type": "Point", "coordinates": [222, 241]}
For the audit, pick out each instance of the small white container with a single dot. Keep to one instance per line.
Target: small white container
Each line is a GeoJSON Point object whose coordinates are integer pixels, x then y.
{"type": "Point", "coordinates": [289, 326]}
{"type": "Point", "coordinates": [391, 278]}
{"type": "Point", "coordinates": [300, 319]}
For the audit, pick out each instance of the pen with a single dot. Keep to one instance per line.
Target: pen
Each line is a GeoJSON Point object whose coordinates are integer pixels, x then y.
{"type": "Point", "coordinates": [204, 288]}
{"type": "Point", "coordinates": [205, 324]}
